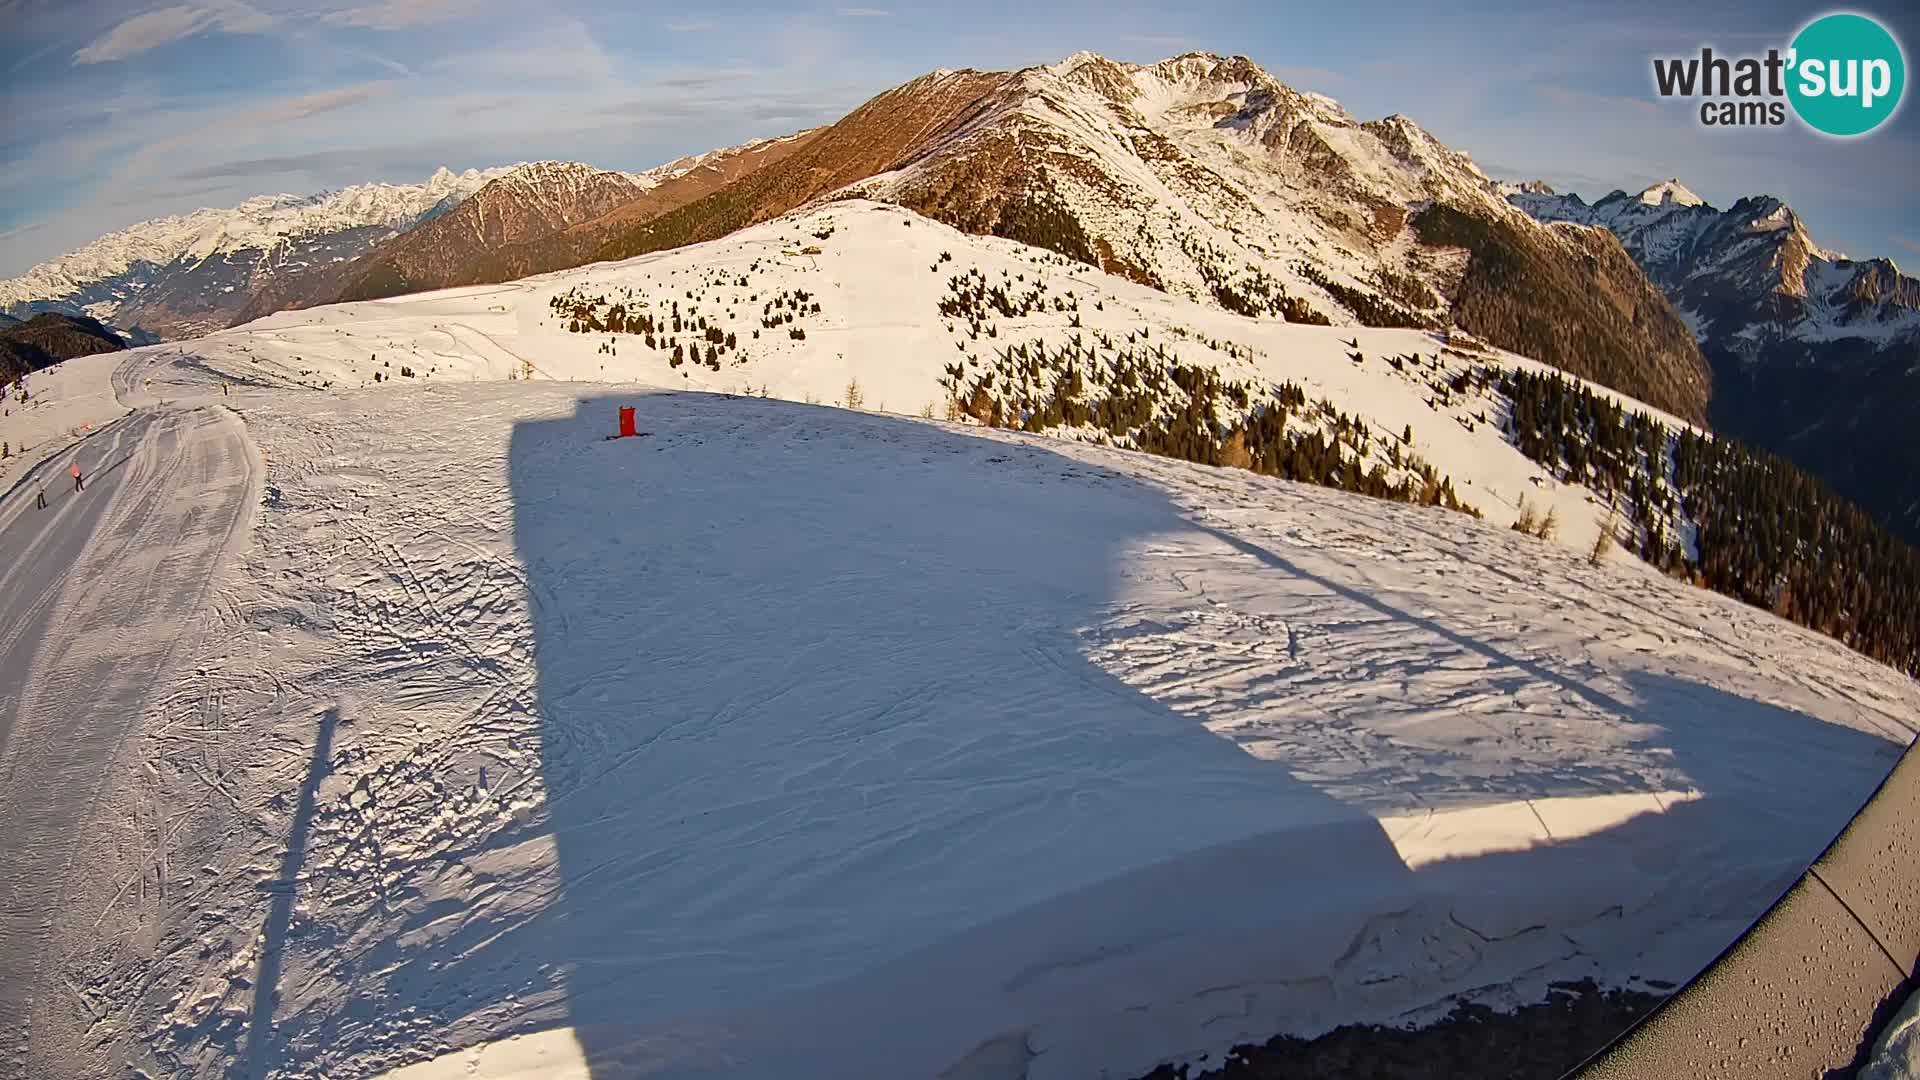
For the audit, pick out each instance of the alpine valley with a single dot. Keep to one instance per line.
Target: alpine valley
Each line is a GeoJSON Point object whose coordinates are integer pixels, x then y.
{"type": "Point", "coordinates": [1815, 356]}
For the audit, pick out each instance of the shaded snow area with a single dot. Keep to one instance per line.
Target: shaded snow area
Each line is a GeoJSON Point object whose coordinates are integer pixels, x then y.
{"type": "Point", "coordinates": [792, 740]}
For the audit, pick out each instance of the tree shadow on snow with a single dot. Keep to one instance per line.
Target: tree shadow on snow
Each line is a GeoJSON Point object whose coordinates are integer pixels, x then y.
{"type": "Point", "coordinates": [825, 762]}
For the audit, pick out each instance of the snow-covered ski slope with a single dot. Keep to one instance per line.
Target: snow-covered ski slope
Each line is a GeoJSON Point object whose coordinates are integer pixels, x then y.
{"type": "Point", "coordinates": [101, 590]}
{"type": "Point", "coordinates": [879, 274]}
{"type": "Point", "coordinates": [795, 740]}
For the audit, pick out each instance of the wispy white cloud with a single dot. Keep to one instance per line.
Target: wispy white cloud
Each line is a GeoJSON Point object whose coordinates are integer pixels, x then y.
{"type": "Point", "coordinates": [1655, 35]}
{"type": "Point", "coordinates": [146, 196]}
{"type": "Point", "coordinates": [24, 59]}
{"type": "Point", "coordinates": [695, 78]}
{"type": "Point", "coordinates": [22, 230]}
{"type": "Point", "coordinates": [1908, 244]}
{"type": "Point", "coordinates": [563, 51]}
{"type": "Point", "coordinates": [692, 26]}
{"type": "Point", "coordinates": [776, 108]}
{"type": "Point", "coordinates": [276, 165]}
{"type": "Point", "coordinates": [396, 14]}
{"type": "Point", "coordinates": [125, 155]}
{"type": "Point", "coordinates": [864, 13]}
{"type": "Point", "coordinates": [299, 108]}
{"type": "Point", "coordinates": [153, 29]}
{"type": "Point", "coordinates": [379, 60]}
{"type": "Point", "coordinates": [479, 106]}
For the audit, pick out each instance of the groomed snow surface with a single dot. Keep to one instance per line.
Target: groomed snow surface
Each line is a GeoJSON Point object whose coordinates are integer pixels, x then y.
{"type": "Point", "coordinates": [796, 740]}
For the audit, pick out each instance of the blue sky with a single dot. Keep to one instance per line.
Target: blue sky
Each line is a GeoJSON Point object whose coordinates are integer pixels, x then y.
{"type": "Point", "coordinates": [118, 111]}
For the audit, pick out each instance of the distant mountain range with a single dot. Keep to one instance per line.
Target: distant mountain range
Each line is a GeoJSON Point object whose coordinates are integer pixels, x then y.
{"type": "Point", "coordinates": [1202, 176]}
{"type": "Point", "coordinates": [1815, 356]}
{"type": "Point", "coordinates": [514, 203]}
{"type": "Point", "coordinates": [182, 276]}
{"type": "Point", "coordinates": [1750, 276]}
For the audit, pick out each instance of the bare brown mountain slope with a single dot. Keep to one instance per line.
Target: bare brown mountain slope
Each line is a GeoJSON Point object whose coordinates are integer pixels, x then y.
{"type": "Point", "coordinates": [480, 250]}
{"type": "Point", "coordinates": [681, 182]}
{"type": "Point", "coordinates": [531, 201]}
{"type": "Point", "coordinates": [886, 133]}
{"type": "Point", "coordinates": [701, 198]}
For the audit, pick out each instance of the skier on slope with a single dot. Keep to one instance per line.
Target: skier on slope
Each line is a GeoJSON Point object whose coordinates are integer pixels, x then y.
{"type": "Point", "coordinates": [78, 484]}
{"type": "Point", "coordinates": [40, 498]}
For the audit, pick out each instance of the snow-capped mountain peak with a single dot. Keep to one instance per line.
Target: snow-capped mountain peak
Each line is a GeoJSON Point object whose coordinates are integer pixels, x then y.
{"type": "Point", "coordinates": [1527, 187]}
{"type": "Point", "coordinates": [1066, 67]}
{"type": "Point", "coordinates": [554, 179]}
{"type": "Point", "coordinates": [1670, 192]}
{"type": "Point", "coordinates": [1747, 276]}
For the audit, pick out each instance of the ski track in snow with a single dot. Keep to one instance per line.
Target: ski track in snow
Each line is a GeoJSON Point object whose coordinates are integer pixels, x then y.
{"type": "Point", "coordinates": [101, 588]}
{"type": "Point", "coordinates": [796, 740]}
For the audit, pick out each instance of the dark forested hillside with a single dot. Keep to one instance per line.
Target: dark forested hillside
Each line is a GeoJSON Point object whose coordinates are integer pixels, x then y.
{"type": "Point", "coordinates": [47, 339]}
{"type": "Point", "coordinates": [1597, 317]}
{"type": "Point", "coordinates": [1843, 410]}
{"type": "Point", "coordinates": [1763, 530]}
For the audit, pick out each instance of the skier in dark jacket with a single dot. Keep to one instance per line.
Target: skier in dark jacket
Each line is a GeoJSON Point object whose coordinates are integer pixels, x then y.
{"type": "Point", "coordinates": [40, 499]}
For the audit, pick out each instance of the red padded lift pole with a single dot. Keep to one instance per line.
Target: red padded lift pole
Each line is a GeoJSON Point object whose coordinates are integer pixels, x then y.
{"type": "Point", "coordinates": [626, 422]}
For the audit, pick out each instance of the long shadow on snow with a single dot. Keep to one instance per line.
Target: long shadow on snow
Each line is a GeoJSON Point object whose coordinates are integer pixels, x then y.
{"type": "Point", "coordinates": [259, 1052]}
{"type": "Point", "coordinates": [811, 697]}
{"type": "Point", "coordinates": [813, 710]}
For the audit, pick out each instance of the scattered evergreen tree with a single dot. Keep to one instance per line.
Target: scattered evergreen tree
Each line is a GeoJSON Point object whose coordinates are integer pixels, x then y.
{"type": "Point", "coordinates": [1604, 542]}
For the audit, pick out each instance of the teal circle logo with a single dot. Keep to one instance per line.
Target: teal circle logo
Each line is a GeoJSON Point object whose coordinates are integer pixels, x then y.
{"type": "Point", "coordinates": [1847, 74]}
